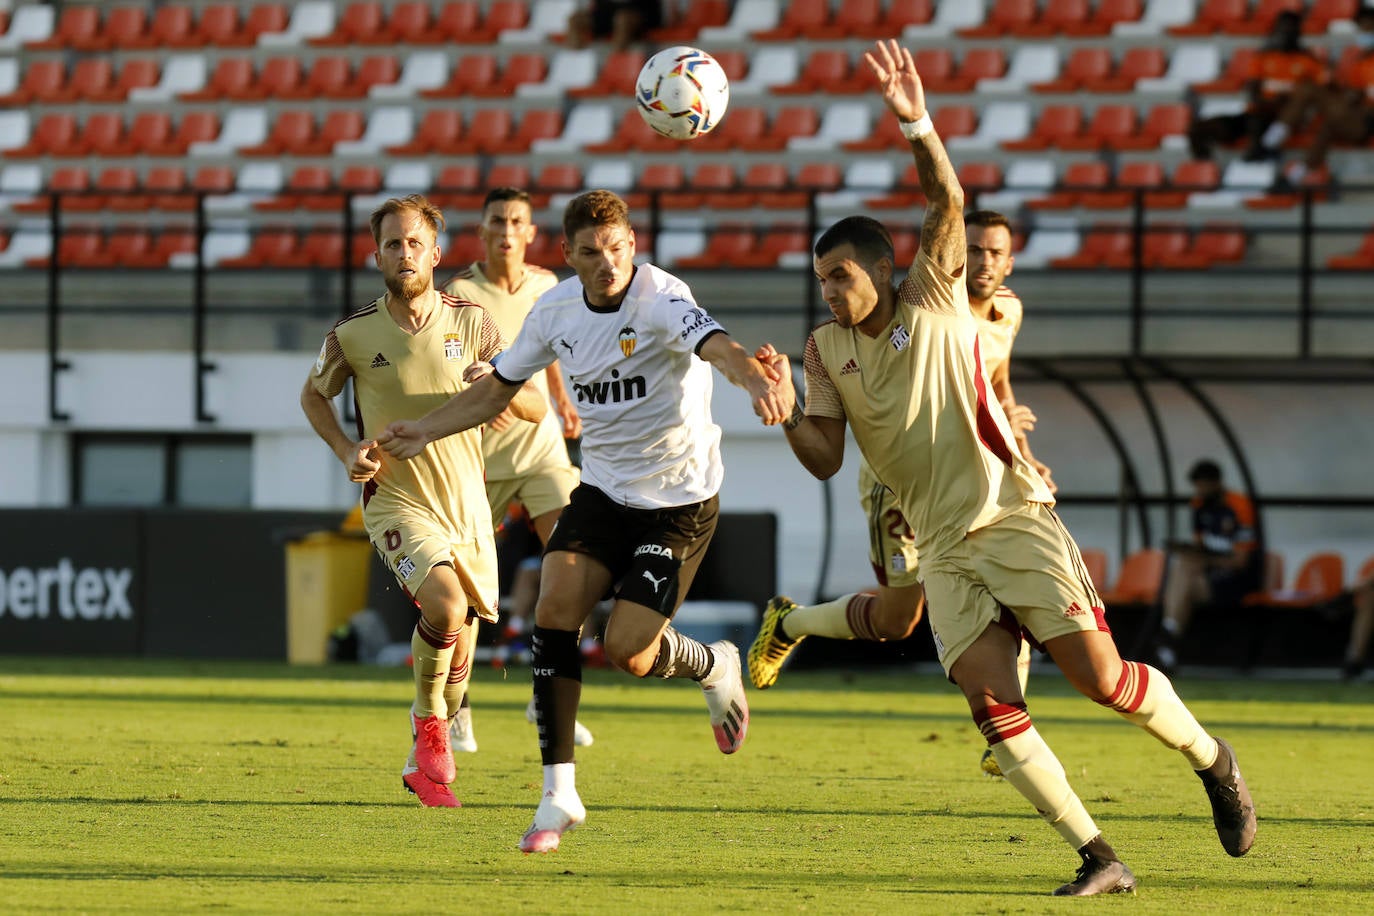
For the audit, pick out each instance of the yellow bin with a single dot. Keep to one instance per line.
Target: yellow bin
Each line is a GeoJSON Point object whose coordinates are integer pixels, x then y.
{"type": "Point", "coordinates": [326, 584]}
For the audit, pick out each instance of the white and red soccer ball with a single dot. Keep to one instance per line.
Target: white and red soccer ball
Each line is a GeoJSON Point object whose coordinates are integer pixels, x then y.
{"type": "Point", "coordinates": [682, 92]}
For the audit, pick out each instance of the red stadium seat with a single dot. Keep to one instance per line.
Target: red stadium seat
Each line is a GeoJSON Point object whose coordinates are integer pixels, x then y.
{"type": "Point", "coordinates": [172, 26]}
{"type": "Point", "coordinates": [291, 133]}
{"type": "Point", "coordinates": [718, 186]}
{"type": "Point", "coordinates": [219, 26]}
{"type": "Point", "coordinates": [43, 82]}
{"type": "Point", "coordinates": [1361, 258]}
{"type": "Point", "coordinates": [683, 29]}
{"type": "Point", "coordinates": [1320, 578]}
{"type": "Point", "coordinates": [124, 27]}
{"type": "Point", "coordinates": [1056, 124]}
{"type": "Point", "coordinates": [125, 246]}
{"type": "Point", "coordinates": [854, 18]}
{"type": "Point", "coordinates": [194, 127]}
{"type": "Point", "coordinates": [90, 76]}
{"type": "Point", "coordinates": [328, 77]}
{"type": "Point", "coordinates": [1147, 176]}
{"type": "Point", "coordinates": [741, 130]}
{"type": "Point", "coordinates": [1219, 244]}
{"type": "Point", "coordinates": [617, 76]}
{"type": "Point", "coordinates": [501, 16]}
{"type": "Point", "coordinates": [1162, 246]}
{"type": "Point", "coordinates": [1212, 16]}
{"type": "Point", "coordinates": [1136, 64]}
{"type": "Point", "coordinates": [508, 174]}
{"type": "Point", "coordinates": [149, 130]}
{"type": "Point", "coordinates": [487, 128]}
{"type": "Point", "coordinates": [278, 78]}
{"type": "Point", "coordinates": [110, 182]}
{"type": "Point", "coordinates": [1006, 17]}
{"type": "Point", "coordinates": [439, 132]}
{"type": "Point", "coordinates": [374, 70]}
{"type": "Point", "coordinates": [1170, 119]}
{"type": "Point", "coordinates": [800, 19]}
{"type": "Point", "coordinates": [663, 182]}
{"type": "Point", "coordinates": [102, 130]}
{"type": "Point", "coordinates": [936, 66]}
{"type": "Point", "coordinates": [1085, 69]}
{"type": "Point", "coordinates": [1322, 13]}
{"type": "Point", "coordinates": [773, 243]}
{"type": "Point", "coordinates": [789, 122]}
{"type": "Point", "coordinates": [976, 177]}
{"type": "Point", "coordinates": [819, 177]}
{"type": "Point", "coordinates": [950, 121]}
{"type": "Point", "coordinates": [358, 21]}
{"type": "Point", "coordinates": [826, 70]}
{"type": "Point", "coordinates": [271, 247]}
{"type": "Point", "coordinates": [633, 133]}
{"type": "Point", "coordinates": [456, 181]}
{"type": "Point", "coordinates": [559, 177]}
{"type": "Point", "coordinates": [470, 73]}
{"type": "Point", "coordinates": [1261, 18]}
{"type": "Point", "coordinates": [727, 246]}
{"type": "Point", "coordinates": [63, 179]}
{"type": "Point", "coordinates": [261, 19]}
{"type": "Point", "coordinates": [1057, 17]}
{"type": "Point", "coordinates": [1109, 125]}
{"type": "Point", "coordinates": [140, 73]}
{"type": "Point", "coordinates": [408, 24]}
{"type": "Point", "coordinates": [518, 70]}
{"type": "Point", "coordinates": [1078, 182]}
{"type": "Point", "coordinates": [535, 124]}
{"type": "Point", "coordinates": [763, 181]}
{"type": "Point", "coordinates": [78, 28]}
{"type": "Point", "coordinates": [1105, 15]}
{"type": "Point", "coordinates": [338, 125]}
{"type": "Point", "coordinates": [232, 78]}
{"type": "Point", "coordinates": [76, 248]}
{"type": "Point", "coordinates": [304, 189]}
{"type": "Point", "coordinates": [455, 22]}
{"type": "Point", "coordinates": [53, 131]}
{"type": "Point", "coordinates": [323, 248]}
{"type": "Point", "coordinates": [1099, 244]}
{"type": "Point", "coordinates": [163, 181]}
{"type": "Point", "coordinates": [975, 65]}
{"type": "Point", "coordinates": [122, 186]}
{"type": "Point", "coordinates": [1237, 74]}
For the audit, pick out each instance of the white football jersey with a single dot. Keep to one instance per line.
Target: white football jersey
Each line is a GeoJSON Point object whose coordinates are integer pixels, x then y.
{"type": "Point", "coordinates": [644, 395]}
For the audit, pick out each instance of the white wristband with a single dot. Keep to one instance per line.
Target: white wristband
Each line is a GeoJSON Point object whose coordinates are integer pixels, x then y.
{"type": "Point", "coordinates": [915, 130]}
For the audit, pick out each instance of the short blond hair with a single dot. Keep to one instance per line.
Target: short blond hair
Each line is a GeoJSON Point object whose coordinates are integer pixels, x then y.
{"type": "Point", "coordinates": [416, 203]}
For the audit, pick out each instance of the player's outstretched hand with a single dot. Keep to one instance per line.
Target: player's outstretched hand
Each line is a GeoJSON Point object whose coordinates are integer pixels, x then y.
{"type": "Point", "coordinates": [362, 461]}
{"type": "Point", "coordinates": [1020, 417]}
{"type": "Point", "coordinates": [475, 371]}
{"type": "Point", "coordinates": [403, 439]}
{"type": "Point", "coordinates": [778, 368]}
{"type": "Point", "coordinates": [895, 71]}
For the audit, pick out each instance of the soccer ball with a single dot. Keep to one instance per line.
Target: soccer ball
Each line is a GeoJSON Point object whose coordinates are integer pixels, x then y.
{"type": "Point", "coordinates": [682, 92]}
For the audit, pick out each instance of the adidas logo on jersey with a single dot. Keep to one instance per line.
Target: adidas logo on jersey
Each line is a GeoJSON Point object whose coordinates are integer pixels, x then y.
{"type": "Point", "coordinates": [379, 361]}
{"type": "Point", "coordinates": [849, 368]}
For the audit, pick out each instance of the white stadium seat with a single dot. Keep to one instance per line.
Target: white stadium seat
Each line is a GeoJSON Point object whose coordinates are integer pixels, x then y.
{"type": "Point", "coordinates": [747, 17]}
{"type": "Point", "coordinates": [586, 123]}
{"type": "Point", "coordinates": [1188, 64]}
{"type": "Point", "coordinates": [244, 125]}
{"type": "Point", "coordinates": [25, 244]}
{"type": "Point", "coordinates": [388, 126]}
{"type": "Point", "coordinates": [568, 70]}
{"type": "Point", "coordinates": [1158, 16]}
{"type": "Point", "coordinates": [181, 73]}
{"type": "Point", "coordinates": [771, 65]}
{"type": "Point", "coordinates": [9, 75]}
{"type": "Point", "coordinates": [32, 22]}
{"type": "Point", "coordinates": [422, 70]}
{"type": "Point", "coordinates": [841, 122]}
{"type": "Point", "coordinates": [14, 129]}
{"type": "Point", "coordinates": [998, 121]}
{"type": "Point", "coordinates": [312, 19]}
{"type": "Point", "coordinates": [547, 17]}
{"type": "Point", "coordinates": [950, 16]}
{"type": "Point", "coordinates": [219, 245]}
{"type": "Point", "coordinates": [1032, 63]}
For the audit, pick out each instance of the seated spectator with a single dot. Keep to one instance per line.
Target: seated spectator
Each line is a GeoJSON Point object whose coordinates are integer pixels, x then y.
{"type": "Point", "coordinates": [622, 22]}
{"type": "Point", "coordinates": [1220, 565]}
{"type": "Point", "coordinates": [1284, 74]}
{"type": "Point", "coordinates": [1345, 109]}
{"type": "Point", "coordinates": [1361, 627]}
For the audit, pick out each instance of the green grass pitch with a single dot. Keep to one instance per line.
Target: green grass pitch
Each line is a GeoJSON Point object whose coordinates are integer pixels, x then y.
{"type": "Point", "coordinates": [149, 787]}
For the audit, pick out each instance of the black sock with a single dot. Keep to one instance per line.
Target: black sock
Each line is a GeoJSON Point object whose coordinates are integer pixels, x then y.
{"type": "Point", "coordinates": [1098, 848]}
{"type": "Point", "coordinates": [557, 666]}
{"type": "Point", "coordinates": [682, 656]}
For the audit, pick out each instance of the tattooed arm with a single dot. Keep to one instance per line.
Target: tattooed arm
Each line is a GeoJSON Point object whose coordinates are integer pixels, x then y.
{"type": "Point", "coordinates": [942, 234]}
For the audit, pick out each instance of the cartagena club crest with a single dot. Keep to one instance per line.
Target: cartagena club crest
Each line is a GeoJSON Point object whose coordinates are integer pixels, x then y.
{"type": "Point", "coordinates": [453, 347]}
{"type": "Point", "coordinates": [627, 340]}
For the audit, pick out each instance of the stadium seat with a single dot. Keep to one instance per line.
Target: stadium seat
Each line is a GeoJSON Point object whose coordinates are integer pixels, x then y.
{"type": "Point", "coordinates": [487, 129]}
{"type": "Point", "coordinates": [1138, 582]}
{"type": "Point", "coordinates": [422, 71]}
{"type": "Point", "coordinates": [78, 29]}
{"type": "Point", "coordinates": [323, 248]}
{"type": "Point", "coordinates": [1056, 124]}
{"type": "Point", "coordinates": [31, 23]}
{"type": "Point", "coordinates": [207, 180]}
{"type": "Point", "coordinates": [263, 19]}
{"type": "Point", "coordinates": [742, 130]}
{"type": "Point", "coordinates": [271, 247]}
{"type": "Point", "coordinates": [587, 123]}
{"type": "Point", "coordinates": [124, 27]}
{"type": "Point", "coordinates": [535, 124]}
{"type": "Point", "coordinates": [526, 70]}
{"type": "Point", "coordinates": [373, 72]}
{"type": "Point", "coordinates": [124, 246]}
{"type": "Point", "coordinates": [1136, 64]}
{"type": "Point", "coordinates": [148, 131]}
{"type": "Point", "coordinates": [556, 179]}
{"type": "Point", "coordinates": [24, 245]}
{"type": "Point", "coordinates": [840, 122]}
{"type": "Point", "coordinates": [1190, 177]}
{"type": "Point", "coordinates": [771, 65]}
{"type": "Point", "coordinates": [101, 130]}
{"type": "Point", "coordinates": [327, 77]}
{"type": "Point", "coordinates": [999, 122]}
{"type": "Point", "coordinates": [43, 82]}
{"type": "Point", "coordinates": [161, 179]}
{"type": "Point", "coordinates": [1260, 20]}
{"type": "Point", "coordinates": [1085, 70]}
{"type": "Point", "coordinates": [975, 65]}
{"type": "Point", "coordinates": [1237, 74]}
{"type": "Point", "coordinates": [905, 193]}
{"type": "Point", "coordinates": [1146, 176]}
{"type": "Point", "coordinates": [1320, 579]}
{"type": "Point", "coordinates": [305, 189]}
{"type": "Point", "coordinates": [1106, 15]}
{"type": "Point", "coordinates": [73, 182]}
{"type": "Point", "coordinates": [278, 78]}
{"type": "Point", "coordinates": [854, 19]}
{"type": "Point", "coordinates": [1212, 16]}
{"type": "Point", "coordinates": [1215, 244]}
{"type": "Point", "coordinates": [801, 19]}
{"type": "Point", "coordinates": [718, 186]}
{"type": "Point", "coordinates": [78, 247]}
{"type": "Point", "coordinates": [1006, 17]}
{"type": "Point", "coordinates": [616, 78]}
{"type": "Point", "coordinates": [663, 183]}
{"type": "Point", "coordinates": [1321, 13]}
{"type": "Point", "coordinates": [20, 183]}
{"type": "Point", "coordinates": [309, 19]}
{"type": "Point", "coordinates": [385, 125]}
{"type": "Point", "coordinates": [977, 177]}
{"type": "Point", "coordinates": [455, 183]}
{"type": "Point", "coordinates": [1058, 17]}
{"type": "Point", "coordinates": [1164, 246]}
{"type": "Point", "coordinates": [438, 131]}
{"type": "Point", "coordinates": [357, 23]}
{"type": "Point", "coordinates": [1031, 63]}
{"type": "Point", "coordinates": [408, 24]}
{"type": "Point", "coordinates": [52, 131]}
{"type": "Point", "coordinates": [90, 75]}
{"type": "Point", "coordinates": [290, 134]}
{"type": "Point", "coordinates": [139, 73]}
{"type": "Point", "coordinates": [634, 133]}
{"type": "Point", "coordinates": [1109, 126]}
{"type": "Point", "coordinates": [172, 26]}
{"type": "Point", "coordinates": [684, 27]}
{"type": "Point", "coordinates": [728, 245]}
{"type": "Point", "coordinates": [1361, 258]}
{"type": "Point", "coordinates": [339, 125]}
{"type": "Point", "coordinates": [774, 245]}
{"type": "Point", "coordinates": [1048, 242]}
{"type": "Point", "coordinates": [169, 242]}
{"type": "Point", "coordinates": [1099, 244]}
{"type": "Point", "coordinates": [500, 16]}
{"type": "Point", "coordinates": [826, 70]}
{"type": "Point", "coordinates": [1078, 181]}
{"type": "Point", "coordinates": [454, 22]}
{"type": "Point", "coordinates": [217, 245]}
{"type": "Point", "coordinates": [769, 184]}
{"type": "Point", "coordinates": [194, 127]}
{"type": "Point", "coordinates": [232, 78]}
{"type": "Point", "coordinates": [470, 73]}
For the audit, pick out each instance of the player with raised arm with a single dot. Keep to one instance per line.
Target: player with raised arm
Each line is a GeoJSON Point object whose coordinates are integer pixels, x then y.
{"type": "Point", "coordinates": [525, 463]}
{"type": "Point", "coordinates": [409, 351]}
{"type": "Point", "coordinates": [639, 351]}
{"type": "Point", "coordinates": [902, 368]}
{"type": "Point", "coordinates": [893, 609]}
